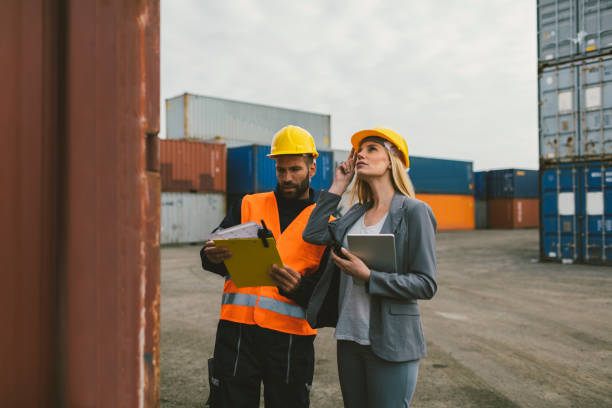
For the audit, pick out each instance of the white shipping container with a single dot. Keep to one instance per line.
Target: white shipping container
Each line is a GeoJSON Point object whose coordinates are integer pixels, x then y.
{"type": "Point", "coordinates": [237, 123]}
{"type": "Point", "coordinates": [190, 217]}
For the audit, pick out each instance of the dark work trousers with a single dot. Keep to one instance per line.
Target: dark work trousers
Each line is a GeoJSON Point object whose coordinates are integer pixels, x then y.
{"type": "Point", "coordinates": [245, 355]}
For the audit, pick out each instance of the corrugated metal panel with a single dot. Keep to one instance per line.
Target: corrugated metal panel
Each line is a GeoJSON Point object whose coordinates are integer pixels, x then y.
{"type": "Point", "coordinates": [80, 110]}
{"type": "Point", "coordinates": [453, 212]}
{"type": "Point", "coordinates": [576, 209]}
{"type": "Point", "coordinates": [209, 118]}
{"type": "Point", "coordinates": [596, 107]}
{"type": "Point", "coordinates": [559, 121]}
{"type": "Point", "coordinates": [594, 26]}
{"type": "Point", "coordinates": [512, 183]}
{"type": "Point", "coordinates": [250, 170]}
{"type": "Point", "coordinates": [192, 166]}
{"type": "Point", "coordinates": [513, 213]}
{"type": "Point", "coordinates": [189, 217]}
{"type": "Point", "coordinates": [557, 29]}
{"type": "Point", "coordinates": [481, 214]}
{"type": "Point", "coordinates": [440, 176]}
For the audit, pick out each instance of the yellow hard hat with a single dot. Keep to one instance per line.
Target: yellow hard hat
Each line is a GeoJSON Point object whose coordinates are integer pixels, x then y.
{"type": "Point", "coordinates": [386, 134]}
{"type": "Point", "coordinates": [293, 140]}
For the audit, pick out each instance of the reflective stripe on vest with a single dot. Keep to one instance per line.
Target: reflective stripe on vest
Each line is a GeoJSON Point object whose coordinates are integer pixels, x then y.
{"type": "Point", "coordinates": [243, 299]}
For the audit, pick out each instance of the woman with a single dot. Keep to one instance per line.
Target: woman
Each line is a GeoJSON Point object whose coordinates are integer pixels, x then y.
{"type": "Point", "coordinates": [377, 319]}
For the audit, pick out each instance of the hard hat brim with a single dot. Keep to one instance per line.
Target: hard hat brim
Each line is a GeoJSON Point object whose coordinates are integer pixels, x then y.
{"type": "Point", "coordinates": [314, 154]}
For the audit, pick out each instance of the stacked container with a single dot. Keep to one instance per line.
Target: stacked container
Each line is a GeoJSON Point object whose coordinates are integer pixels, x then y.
{"type": "Point", "coordinates": [193, 189]}
{"type": "Point", "coordinates": [446, 185]}
{"type": "Point", "coordinates": [512, 198]}
{"type": "Point", "coordinates": [575, 95]}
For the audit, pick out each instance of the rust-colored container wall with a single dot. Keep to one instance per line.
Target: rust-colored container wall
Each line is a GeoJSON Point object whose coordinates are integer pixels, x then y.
{"type": "Point", "coordinates": [188, 166]}
{"type": "Point", "coordinates": [453, 212]}
{"type": "Point", "coordinates": [514, 213]}
{"type": "Point", "coordinates": [30, 209]}
{"type": "Point", "coordinates": [79, 300]}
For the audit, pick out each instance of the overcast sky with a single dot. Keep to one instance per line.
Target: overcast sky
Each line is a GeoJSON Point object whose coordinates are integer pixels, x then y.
{"type": "Point", "coordinates": [456, 78]}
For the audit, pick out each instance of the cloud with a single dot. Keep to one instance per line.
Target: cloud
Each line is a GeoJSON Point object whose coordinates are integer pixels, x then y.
{"type": "Point", "coordinates": [457, 78]}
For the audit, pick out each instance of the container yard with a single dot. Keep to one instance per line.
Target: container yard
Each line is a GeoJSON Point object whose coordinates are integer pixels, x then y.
{"type": "Point", "coordinates": [504, 330]}
{"type": "Point", "coordinates": [105, 302]}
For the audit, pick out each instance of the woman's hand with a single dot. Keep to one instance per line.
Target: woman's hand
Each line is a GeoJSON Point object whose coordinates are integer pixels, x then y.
{"type": "Point", "coordinates": [352, 266]}
{"type": "Point", "coordinates": [344, 174]}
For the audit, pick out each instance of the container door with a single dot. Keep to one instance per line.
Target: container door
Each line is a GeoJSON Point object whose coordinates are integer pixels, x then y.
{"type": "Point", "coordinates": [598, 213]}
{"type": "Point", "coordinates": [559, 229]}
{"type": "Point", "coordinates": [556, 29]}
{"type": "Point", "coordinates": [596, 107]}
{"type": "Point", "coordinates": [559, 113]}
{"type": "Point", "coordinates": [594, 26]}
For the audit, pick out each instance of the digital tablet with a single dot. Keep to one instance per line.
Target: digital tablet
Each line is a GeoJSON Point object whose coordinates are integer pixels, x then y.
{"type": "Point", "coordinates": [375, 250]}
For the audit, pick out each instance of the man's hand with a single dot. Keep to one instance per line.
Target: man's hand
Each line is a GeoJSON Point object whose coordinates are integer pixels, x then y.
{"type": "Point", "coordinates": [216, 254]}
{"type": "Point", "coordinates": [287, 278]}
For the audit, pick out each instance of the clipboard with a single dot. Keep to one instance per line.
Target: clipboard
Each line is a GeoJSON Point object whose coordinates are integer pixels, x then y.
{"type": "Point", "coordinates": [250, 260]}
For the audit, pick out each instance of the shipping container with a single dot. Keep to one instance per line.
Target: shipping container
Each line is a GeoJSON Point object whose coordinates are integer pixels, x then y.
{"type": "Point", "coordinates": [480, 185]}
{"type": "Point", "coordinates": [557, 29]}
{"type": "Point", "coordinates": [576, 212]}
{"type": "Point", "coordinates": [508, 213]}
{"type": "Point", "coordinates": [441, 176]}
{"type": "Point", "coordinates": [81, 200]}
{"type": "Point", "coordinates": [596, 108]}
{"type": "Point", "coordinates": [190, 217]}
{"type": "Point", "coordinates": [481, 214]}
{"type": "Point", "coordinates": [250, 170]}
{"type": "Point", "coordinates": [594, 26]}
{"type": "Point", "coordinates": [558, 104]}
{"type": "Point", "coordinates": [207, 118]}
{"type": "Point", "coordinates": [452, 212]}
{"type": "Point", "coordinates": [576, 111]}
{"type": "Point", "coordinates": [188, 166]}
{"type": "Point", "coordinates": [512, 183]}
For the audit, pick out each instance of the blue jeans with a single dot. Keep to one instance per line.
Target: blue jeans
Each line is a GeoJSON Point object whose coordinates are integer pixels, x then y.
{"type": "Point", "coordinates": [369, 381]}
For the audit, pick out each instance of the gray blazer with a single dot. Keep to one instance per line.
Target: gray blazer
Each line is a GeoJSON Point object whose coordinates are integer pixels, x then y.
{"type": "Point", "coordinates": [396, 333]}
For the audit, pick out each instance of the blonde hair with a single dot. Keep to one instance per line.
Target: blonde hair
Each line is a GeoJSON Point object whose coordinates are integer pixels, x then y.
{"type": "Point", "coordinates": [362, 192]}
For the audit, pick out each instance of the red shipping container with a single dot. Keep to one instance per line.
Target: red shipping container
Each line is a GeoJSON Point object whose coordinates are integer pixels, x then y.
{"type": "Point", "coordinates": [188, 166]}
{"type": "Point", "coordinates": [514, 213]}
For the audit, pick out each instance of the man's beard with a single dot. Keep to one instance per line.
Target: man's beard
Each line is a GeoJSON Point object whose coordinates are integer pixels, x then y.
{"type": "Point", "coordinates": [300, 189]}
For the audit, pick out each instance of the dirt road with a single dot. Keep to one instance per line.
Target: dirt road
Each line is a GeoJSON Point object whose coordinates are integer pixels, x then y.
{"type": "Point", "coordinates": [503, 330]}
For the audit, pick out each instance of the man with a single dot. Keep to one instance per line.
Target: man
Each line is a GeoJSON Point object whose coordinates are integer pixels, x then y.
{"type": "Point", "coordinates": [262, 335]}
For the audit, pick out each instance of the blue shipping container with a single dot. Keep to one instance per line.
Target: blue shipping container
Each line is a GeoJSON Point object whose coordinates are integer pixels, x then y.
{"type": "Point", "coordinates": [512, 183]}
{"type": "Point", "coordinates": [250, 170]}
{"type": "Point", "coordinates": [480, 185]}
{"type": "Point", "coordinates": [440, 176]}
{"type": "Point", "coordinates": [576, 212]}
{"type": "Point", "coordinates": [594, 26]}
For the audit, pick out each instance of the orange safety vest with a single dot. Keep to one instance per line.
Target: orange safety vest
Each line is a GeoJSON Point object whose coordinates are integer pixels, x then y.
{"type": "Point", "coordinates": [264, 305]}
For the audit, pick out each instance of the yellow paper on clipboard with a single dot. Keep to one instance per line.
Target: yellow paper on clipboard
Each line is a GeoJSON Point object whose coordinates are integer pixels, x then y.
{"type": "Point", "coordinates": [250, 261]}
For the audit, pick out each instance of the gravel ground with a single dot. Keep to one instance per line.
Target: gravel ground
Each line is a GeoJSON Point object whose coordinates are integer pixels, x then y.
{"type": "Point", "coordinates": [503, 330]}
